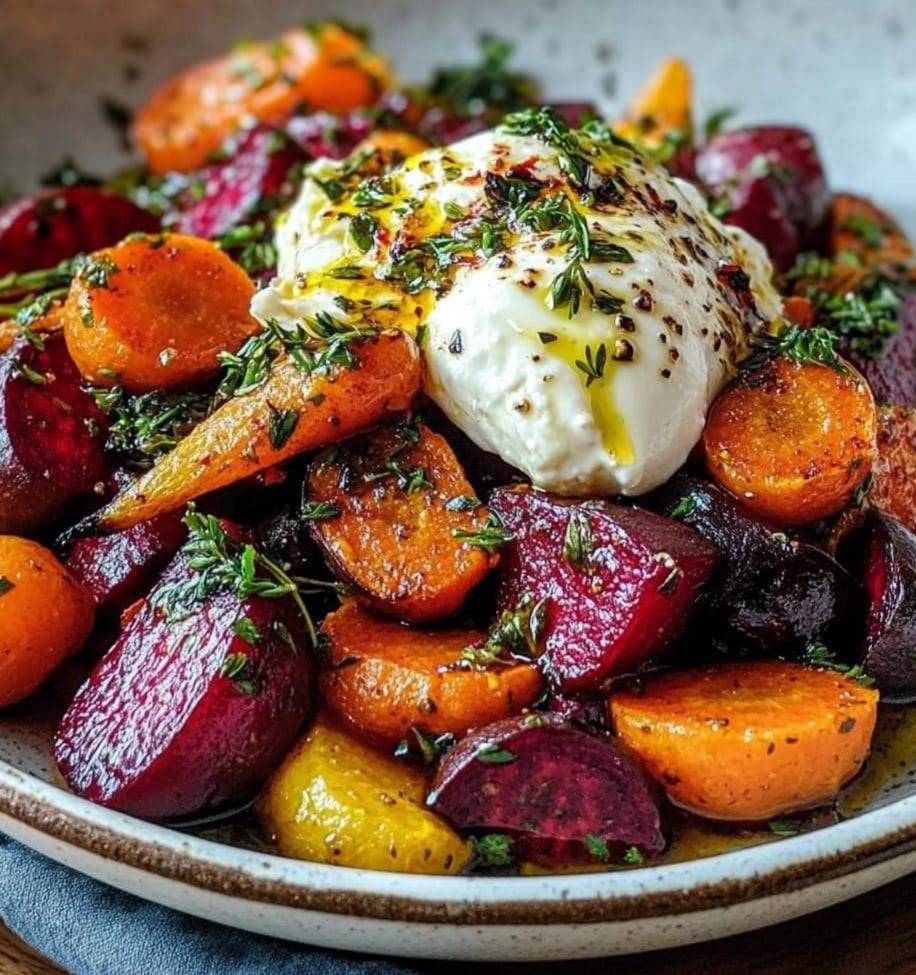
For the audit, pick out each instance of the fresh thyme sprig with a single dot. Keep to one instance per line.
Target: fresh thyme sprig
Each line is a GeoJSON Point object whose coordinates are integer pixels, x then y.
{"type": "Point", "coordinates": [222, 563]}
{"type": "Point", "coordinates": [515, 636]}
{"type": "Point", "coordinates": [801, 345]}
{"type": "Point", "coordinates": [491, 537]}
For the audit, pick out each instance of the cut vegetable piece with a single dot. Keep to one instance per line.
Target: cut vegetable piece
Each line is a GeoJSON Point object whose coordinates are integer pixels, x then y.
{"type": "Point", "coordinates": [793, 440]}
{"type": "Point", "coordinates": [893, 484]}
{"type": "Point", "coordinates": [771, 596]}
{"type": "Point", "coordinates": [388, 682]}
{"type": "Point", "coordinates": [155, 312]}
{"type": "Point", "coordinates": [51, 435]}
{"type": "Point", "coordinates": [43, 230]}
{"type": "Point", "coordinates": [561, 793]}
{"type": "Point", "coordinates": [889, 575]}
{"type": "Point", "coordinates": [188, 118]}
{"type": "Point", "coordinates": [748, 741]}
{"type": "Point", "coordinates": [118, 569]}
{"type": "Point", "coordinates": [401, 509]}
{"type": "Point", "coordinates": [334, 800]}
{"type": "Point", "coordinates": [893, 377]}
{"type": "Point", "coordinates": [258, 167]}
{"type": "Point", "coordinates": [50, 321]}
{"type": "Point", "coordinates": [241, 437]}
{"type": "Point", "coordinates": [45, 617]}
{"type": "Point", "coordinates": [663, 108]}
{"type": "Point", "coordinates": [619, 583]}
{"type": "Point", "coordinates": [856, 225]}
{"type": "Point", "coordinates": [185, 715]}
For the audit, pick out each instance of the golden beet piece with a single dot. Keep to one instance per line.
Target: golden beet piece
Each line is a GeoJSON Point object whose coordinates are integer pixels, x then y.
{"type": "Point", "coordinates": [793, 441]}
{"type": "Point", "coordinates": [335, 800]}
{"type": "Point", "coordinates": [400, 496]}
{"type": "Point", "coordinates": [748, 741]}
{"type": "Point", "coordinates": [385, 679]}
{"type": "Point", "coordinates": [45, 617]}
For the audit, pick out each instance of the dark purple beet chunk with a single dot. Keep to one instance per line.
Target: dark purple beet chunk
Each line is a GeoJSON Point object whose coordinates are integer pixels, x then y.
{"type": "Point", "coordinates": [621, 600]}
{"type": "Point", "coordinates": [549, 785]}
{"type": "Point", "coordinates": [120, 568]}
{"type": "Point", "coordinates": [259, 169]}
{"type": "Point", "coordinates": [889, 653]}
{"type": "Point", "coordinates": [771, 596]}
{"type": "Point", "coordinates": [185, 715]}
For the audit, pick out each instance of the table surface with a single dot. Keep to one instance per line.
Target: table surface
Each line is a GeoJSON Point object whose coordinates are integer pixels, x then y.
{"type": "Point", "coordinates": [872, 934]}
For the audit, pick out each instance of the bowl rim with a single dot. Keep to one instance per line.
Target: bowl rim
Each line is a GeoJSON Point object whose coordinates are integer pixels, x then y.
{"type": "Point", "coordinates": [719, 881]}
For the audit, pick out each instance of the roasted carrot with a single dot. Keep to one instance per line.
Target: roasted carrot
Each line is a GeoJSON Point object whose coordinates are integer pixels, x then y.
{"type": "Point", "coordinates": [323, 67]}
{"type": "Point", "coordinates": [288, 414]}
{"type": "Point", "coordinates": [50, 321]}
{"type": "Point", "coordinates": [856, 225]}
{"type": "Point", "coordinates": [400, 497]}
{"type": "Point", "coordinates": [45, 616]}
{"type": "Point", "coordinates": [387, 681]}
{"type": "Point", "coordinates": [793, 440]}
{"type": "Point", "coordinates": [662, 108]}
{"type": "Point", "coordinates": [154, 312]}
{"type": "Point", "coordinates": [799, 311]}
{"type": "Point", "coordinates": [751, 740]}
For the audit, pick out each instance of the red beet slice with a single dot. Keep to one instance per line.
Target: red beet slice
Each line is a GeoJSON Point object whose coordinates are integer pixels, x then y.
{"type": "Point", "coordinates": [619, 583]}
{"type": "Point", "coordinates": [770, 596]}
{"type": "Point", "coordinates": [890, 630]}
{"type": "Point", "coordinates": [322, 135]}
{"type": "Point", "coordinates": [42, 230]}
{"type": "Point", "coordinates": [258, 170]}
{"type": "Point", "coordinates": [184, 716]}
{"type": "Point", "coordinates": [563, 794]}
{"type": "Point", "coordinates": [774, 182]}
{"type": "Point", "coordinates": [51, 434]}
{"type": "Point", "coordinates": [893, 376]}
{"type": "Point", "coordinates": [118, 569]}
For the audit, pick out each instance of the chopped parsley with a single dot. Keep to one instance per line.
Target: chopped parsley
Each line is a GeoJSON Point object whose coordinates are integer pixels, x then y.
{"type": "Point", "coordinates": [492, 754]}
{"type": "Point", "coordinates": [462, 502]}
{"type": "Point", "coordinates": [431, 748]}
{"type": "Point", "coordinates": [281, 426]}
{"type": "Point", "coordinates": [235, 668]}
{"type": "Point", "coordinates": [318, 511]}
{"type": "Point", "coordinates": [870, 232]}
{"type": "Point", "coordinates": [818, 655]}
{"type": "Point", "coordinates": [411, 480]}
{"type": "Point", "coordinates": [5, 585]}
{"type": "Point", "coordinates": [492, 850]}
{"type": "Point", "coordinates": [246, 629]}
{"type": "Point", "coordinates": [597, 847]}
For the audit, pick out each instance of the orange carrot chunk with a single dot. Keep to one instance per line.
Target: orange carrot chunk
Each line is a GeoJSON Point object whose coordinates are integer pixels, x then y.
{"type": "Point", "coordinates": [662, 108]}
{"type": "Point", "coordinates": [751, 740]}
{"type": "Point", "coordinates": [401, 504]}
{"type": "Point", "coordinates": [387, 681]}
{"type": "Point", "coordinates": [793, 441]}
{"type": "Point", "coordinates": [154, 312]}
{"type": "Point", "coordinates": [325, 68]}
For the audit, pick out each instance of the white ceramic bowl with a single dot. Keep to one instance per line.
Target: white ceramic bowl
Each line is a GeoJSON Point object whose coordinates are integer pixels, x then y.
{"type": "Point", "coordinates": [847, 72]}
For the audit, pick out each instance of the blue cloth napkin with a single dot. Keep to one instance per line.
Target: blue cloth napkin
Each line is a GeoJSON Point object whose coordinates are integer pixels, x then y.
{"type": "Point", "coordinates": [89, 928]}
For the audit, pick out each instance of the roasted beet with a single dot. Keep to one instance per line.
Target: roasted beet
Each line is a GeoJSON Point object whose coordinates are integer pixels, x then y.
{"type": "Point", "coordinates": [258, 169]}
{"type": "Point", "coordinates": [893, 377]}
{"type": "Point", "coordinates": [51, 434]}
{"type": "Point", "coordinates": [42, 230]}
{"type": "Point", "coordinates": [184, 715]}
{"type": "Point", "coordinates": [773, 182]}
{"type": "Point", "coordinates": [119, 568]}
{"type": "Point", "coordinates": [890, 632]}
{"type": "Point", "coordinates": [561, 793]}
{"type": "Point", "coordinates": [771, 596]}
{"type": "Point", "coordinates": [321, 134]}
{"type": "Point", "coordinates": [619, 583]}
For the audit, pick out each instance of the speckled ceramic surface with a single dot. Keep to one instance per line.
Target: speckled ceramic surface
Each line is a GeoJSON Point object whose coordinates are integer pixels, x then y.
{"type": "Point", "coordinates": [849, 74]}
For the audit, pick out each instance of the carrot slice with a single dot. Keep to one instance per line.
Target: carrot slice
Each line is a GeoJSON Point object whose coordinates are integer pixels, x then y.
{"type": "Point", "coordinates": [751, 740]}
{"type": "Point", "coordinates": [188, 118]}
{"type": "Point", "coordinates": [45, 616]}
{"type": "Point", "coordinates": [662, 108]}
{"type": "Point", "coordinates": [50, 321]}
{"type": "Point", "coordinates": [400, 496]}
{"type": "Point", "coordinates": [384, 679]}
{"type": "Point", "coordinates": [793, 441]}
{"type": "Point", "coordinates": [893, 486]}
{"type": "Point", "coordinates": [292, 412]}
{"type": "Point", "coordinates": [799, 311]}
{"type": "Point", "coordinates": [155, 312]}
{"type": "Point", "coordinates": [857, 225]}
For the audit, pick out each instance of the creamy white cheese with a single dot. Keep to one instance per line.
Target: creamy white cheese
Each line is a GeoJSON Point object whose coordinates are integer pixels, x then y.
{"type": "Point", "coordinates": [608, 399]}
